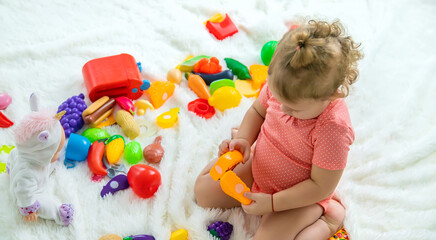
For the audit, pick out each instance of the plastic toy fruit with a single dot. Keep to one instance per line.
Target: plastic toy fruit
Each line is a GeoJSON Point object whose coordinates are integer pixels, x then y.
{"type": "Point", "coordinates": [144, 180]}
{"type": "Point", "coordinates": [72, 120]}
{"type": "Point", "coordinates": [95, 158]}
{"type": "Point", "coordinates": [267, 52]}
{"type": "Point", "coordinates": [168, 119]}
{"type": "Point", "coordinates": [238, 68]}
{"type": "Point", "coordinates": [225, 98]}
{"type": "Point", "coordinates": [114, 148]}
{"type": "Point", "coordinates": [233, 186]}
{"type": "Point", "coordinates": [5, 100]}
{"type": "Point", "coordinates": [133, 152]}
{"type": "Point", "coordinates": [228, 161]}
{"type": "Point", "coordinates": [94, 134]}
{"type": "Point", "coordinates": [209, 66]}
{"type": "Point", "coordinates": [154, 152]}
{"type": "Point", "coordinates": [180, 234]}
{"type": "Point", "coordinates": [245, 87]}
{"type": "Point", "coordinates": [220, 230]}
{"type": "Point", "coordinates": [259, 74]}
{"type": "Point", "coordinates": [197, 84]}
{"type": "Point", "coordinates": [160, 91]}
{"type": "Point", "coordinates": [220, 83]}
{"type": "Point", "coordinates": [174, 75]}
{"type": "Point", "coordinates": [142, 106]}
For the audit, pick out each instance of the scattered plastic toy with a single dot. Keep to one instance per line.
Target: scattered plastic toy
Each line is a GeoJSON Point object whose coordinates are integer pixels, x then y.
{"type": "Point", "coordinates": [201, 108]}
{"type": "Point", "coordinates": [95, 134]}
{"type": "Point", "coordinates": [197, 84]}
{"type": "Point", "coordinates": [160, 91]}
{"type": "Point", "coordinates": [245, 87]}
{"type": "Point", "coordinates": [139, 237]}
{"type": "Point", "coordinates": [5, 100]}
{"type": "Point", "coordinates": [238, 68]}
{"type": "Point", "coordinates": [133, 152]}
{"type": "Point", "coordinates": [154, 152]}
{"type": "Point", "coordinates": [95, 158]}
{"type": "Point", "coordinates": [114, 148]}
{"type": "Point", "coordinates": [225, 98]}
{"type": "Point", "coordinates": [259, 74]}
{"type": "Point", "coordinates": [222, 29]}
{"type": "Point", "coordinates": [114, 169]}
{"type": "Point", "coordinates": [110, 237]}
{"type": "Point", "coordinates": [116, 184]}
{"type": "Point", "coordinates": [4, 121]}
{"type": "Point", "coordinates": [209, 78]}
{"type": "Point", "coordinates": [226, 162]}
{"type": "Point", "coordinates": [267, 52]}
{"type": "Point", "coordinates": [168, 119]}
{"type": "Point", "coordinates": [180, 234]}
{"type": "Point", "coordinates": [209, 66]}
{"type": "Point", "coordinates": [77, 150]}
{"type": "Point", "coordinates": [2, 167]}
{"type": "Point", "coordinates": [7, 149]}
{"type": "Point", "coordinates": [340, 235]}
{"type": "Point", "coordinates": [98, 111]}
{"type": "Point", "coordinates": [144, 180]}
{"type": "Point", "coordinates": [174, 75]}
{"type": "Point", "coordinates": [150, 128]}
{"type": "Point", "coordinates": [188, 64]}
{"type": "Point", "coordinates": [220, 83]}
{"type": "Point", "coordinates": [107, 122]}
{"type": "Point", "coordinates": [127, 124]}
{"type": "Point", "coordinates": [139, 64]}
{"type": "Point", "coordinates": [72, 120]}
{"type": "Point", "coordinates": [126, 104]}
{"type": "Point", "coordinates": [142, 106]}
{"type": "Point", "coordinates": [220, 230]}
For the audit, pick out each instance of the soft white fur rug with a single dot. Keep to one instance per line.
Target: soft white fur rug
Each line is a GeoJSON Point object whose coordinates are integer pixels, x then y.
{"type": "Point", "coordinates": [388, 186]}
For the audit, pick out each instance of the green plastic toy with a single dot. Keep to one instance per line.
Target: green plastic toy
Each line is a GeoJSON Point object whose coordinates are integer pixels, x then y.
{"type": "Point", "coordinates": [2, 168]}
{"type": "Point", "coordinates": [133, 152]}
{"type": "Point", "coordinates": [238, 68]}
{"type": "Point", "coordinates": [188, 65]}
{"type": "Point", "coordinates": [221, 83]}
{"type": "Point", "coordinates": [95, 134]}
{"type": "Point", "coordinates": [267, 52]}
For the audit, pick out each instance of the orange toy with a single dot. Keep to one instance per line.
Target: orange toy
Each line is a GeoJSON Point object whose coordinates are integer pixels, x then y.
{"type": "Point", "coordinates": [209, 66]}
{"type": "Point", "coordinates": [160, 91]}
{"type": "Point", "coordinates": [113, 76]}
{"type": "Point", "coordinates": [259, 73]}
{"type": "Point", "coordinates": [228, 161]}
{"type": "Point", "coordinates": [197, 84]}
{"type": "Point", "coordinates": [233, 186]}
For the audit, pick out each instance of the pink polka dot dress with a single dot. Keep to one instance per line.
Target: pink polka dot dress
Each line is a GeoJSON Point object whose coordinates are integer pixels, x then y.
{"type": "Point", "coordinates": [287, 146]}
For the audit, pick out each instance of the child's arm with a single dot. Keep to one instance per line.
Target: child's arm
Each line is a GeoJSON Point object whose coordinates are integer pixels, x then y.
{"type": "Point", "coordinates": [321, 184]}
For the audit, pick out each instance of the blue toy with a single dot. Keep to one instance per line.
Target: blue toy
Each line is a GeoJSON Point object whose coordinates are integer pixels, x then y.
{"type": "Point", "coordinates": [77, 150]}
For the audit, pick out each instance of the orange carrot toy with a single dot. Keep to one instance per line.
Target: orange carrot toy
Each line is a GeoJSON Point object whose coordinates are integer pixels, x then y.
{"type": "Point", "coordinates": [197, 84]}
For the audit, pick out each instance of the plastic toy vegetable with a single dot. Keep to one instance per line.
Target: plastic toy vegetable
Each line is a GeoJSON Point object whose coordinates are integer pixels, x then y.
{"type": "Point", "coordinates": [127, 123]}
{"type": "Point", "coordinates": [168, 119]}
{"type": "Point", "coordinates": [72, 120]}
{"type": "Point", "coordinates": [209, 66]}
{"type": "Point", "coordinates": [188, 65]}
{"type": "Point", "coordinates": [209, 78]}
{"type": "Point", "coordinates": [267, 52]}
{"type": "Point", "coordinates": [180, 234]}
{"type": "Point", "coordinates": [174, 75]}
{"type": "Point", "coordinates": [221, 83]}
{"type": "Point", "coordinates": [133, 152]}
{"type": "Point", "coordinates": [160, 91]}
{"type": "Point", "coordinates": [95, 157]}
{"type": "Point", "coordinates": [4, 121]}
{"type": "Point", "coordinates": [126, 104]}
{"type": "Point", "coordinates": [154, 152]}
{"type": "Point", "coordinates": [114, 148]}
{"type": "Point", "coordinates": [259, 74]}
{"type": "Point", "coordinates": [144, 180]}
{"type": "Point", "coordinates": [225, 98]}
{"type": "Point", "coordinates": [5, 100]}
{"type": "Point", "coordinates": [238, 68]}
{"type": "Point", "coordinates": [94, 134]}
{"type": "Point", "coordinates": [197, 84]}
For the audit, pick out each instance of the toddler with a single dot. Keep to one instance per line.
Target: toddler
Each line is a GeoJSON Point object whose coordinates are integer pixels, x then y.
{"type": "Point", "coordinates": [39, 139]}
{"type": "Point", "coordinates": [303, 133]}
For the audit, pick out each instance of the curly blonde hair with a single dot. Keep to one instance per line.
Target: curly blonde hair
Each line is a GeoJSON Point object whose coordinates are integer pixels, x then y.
{"type": "Point", "coordinates": [316, 60]}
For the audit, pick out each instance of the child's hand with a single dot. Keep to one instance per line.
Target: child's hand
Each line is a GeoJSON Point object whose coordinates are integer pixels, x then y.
{"type": "Point", "coordinates": [31, 217]}
{"type": "Point", "coordinates": [238, 144]}
{"type": "Point", "coordinates": [261, 204]}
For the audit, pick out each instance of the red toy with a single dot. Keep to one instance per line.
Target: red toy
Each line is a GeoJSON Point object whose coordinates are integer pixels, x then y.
{"type": "Point", "coordinates": [144, 180]}
{"type": "Point", "coordinates": [113, 76]}
{"type": "Point", "coordinates": [209, 66]}
{"type": "Point", "coordinates": [4, 121]}
{"type": "Point", "coordinates": [223, 29]}
{"type": "Point", "coordinates": [201, 108]}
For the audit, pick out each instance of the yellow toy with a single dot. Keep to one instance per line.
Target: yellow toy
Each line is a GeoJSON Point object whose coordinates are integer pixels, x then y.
{"type": "Point", "coordinates": [233, 186]}
{"type": "Point", "coordinates": [127, 123]}
{"type": "Point", "coordinates": [174, 75]}
{"type": "Point", "coordinates": [168, 119]}
{"type": "Point", "coordinates": [114, 148]}
{"type": "Point", "coordinates": [227, 162]}
{"type": "Point", "coordinates": [2, 167]}
{"type": "Point", "coordinates": [142, 106]}
{"type": "Point", "coordinates": [225, 98]}
{"type": "Point", "coordinates": [111, 237]}
{"type": "Point", "coordinates": [160, 91]}
{"type": "Point", "coordinates": [215, 18]}
{"type": "Point", "coordinates": [7, 149]}
{"type": "Point", "coordinates": [259, 73]}
{"type": "Point", "coordinates": [180, 234]}
{"type": "Point", "coordinates": [245, 87]}
{"type": "Point", "coordinates": [186, 59]}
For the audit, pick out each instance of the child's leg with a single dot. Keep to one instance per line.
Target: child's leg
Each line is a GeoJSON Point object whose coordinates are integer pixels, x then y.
{"type": "Point", "coordinates": [208, 192]}
{"type": "Point", "coordinates": [327, 225]}
{"type": "Point", "coordinates": [286, 225]}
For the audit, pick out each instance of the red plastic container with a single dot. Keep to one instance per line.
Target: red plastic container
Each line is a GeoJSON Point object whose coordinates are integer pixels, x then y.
{"type": "Point", "coordinates": [222, 29]}
{"type": "Point", "coordinates": [112, 76]}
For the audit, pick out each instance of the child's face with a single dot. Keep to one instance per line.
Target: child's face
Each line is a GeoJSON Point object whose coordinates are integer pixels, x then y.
{"type": "Point", "coordinates": [303, 109]}
{"type": "Point", "coordinates": [56, 155]}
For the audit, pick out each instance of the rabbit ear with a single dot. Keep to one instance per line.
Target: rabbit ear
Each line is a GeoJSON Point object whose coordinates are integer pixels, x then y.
{"type": "Point", "coordinates": [43, 136]}
{"type": "Point", "coordinates": [34, 102]}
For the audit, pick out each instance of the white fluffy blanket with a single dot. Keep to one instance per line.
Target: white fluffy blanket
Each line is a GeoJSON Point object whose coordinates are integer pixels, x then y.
{"type": "Point", "coordinates": [389, 184]}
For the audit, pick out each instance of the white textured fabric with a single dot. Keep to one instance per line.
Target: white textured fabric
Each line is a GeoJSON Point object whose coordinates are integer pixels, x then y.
{"type": "Point", "coordinates": [388, 186]}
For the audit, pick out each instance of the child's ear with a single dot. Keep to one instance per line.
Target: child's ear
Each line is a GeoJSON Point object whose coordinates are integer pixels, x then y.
{"type": "Point", "coordinates": [43, 136]}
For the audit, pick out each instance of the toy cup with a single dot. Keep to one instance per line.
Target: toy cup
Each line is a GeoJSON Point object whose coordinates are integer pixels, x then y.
{"type": "Point", "coordinates": [77, 150]}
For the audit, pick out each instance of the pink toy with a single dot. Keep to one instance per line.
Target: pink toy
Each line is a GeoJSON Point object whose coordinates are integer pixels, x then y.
{"type": "Point", "coordinates": [126, 104]}
{"type": "Point", "coordinates": [5, 100]}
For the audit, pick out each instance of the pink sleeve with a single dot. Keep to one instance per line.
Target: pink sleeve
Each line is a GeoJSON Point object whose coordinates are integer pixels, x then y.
{"type": "Point", "coordinates": [264, 95]}
{"type": "Point", "coordinates": [332, 142]}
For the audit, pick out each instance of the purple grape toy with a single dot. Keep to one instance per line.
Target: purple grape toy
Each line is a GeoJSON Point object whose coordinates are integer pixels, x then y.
{"type": "Point", "coordinates": [72, 120]}
{"type": "Point", "coordinates": [221, 230]}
